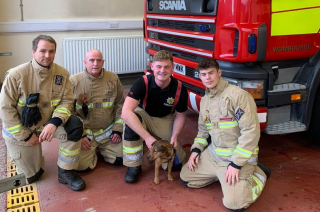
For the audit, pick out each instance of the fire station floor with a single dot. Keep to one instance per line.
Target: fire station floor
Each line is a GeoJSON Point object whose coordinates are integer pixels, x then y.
{"type": "Point", "coordinates": [293, 185]}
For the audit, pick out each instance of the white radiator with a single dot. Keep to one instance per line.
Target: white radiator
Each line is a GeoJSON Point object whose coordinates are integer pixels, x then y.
{"type": "Point", "coordinates": [122, 54]}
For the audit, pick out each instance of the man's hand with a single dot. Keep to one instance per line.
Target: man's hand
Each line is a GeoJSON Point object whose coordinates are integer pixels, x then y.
{"type": "Point", "coordinates": [232, 174]}
{"type": "Point", "coordinates": [115, 138]}
{"type": "Point", "coordinates": [193, 160]}
{"type": "Point", "coordinates": [149, 141]}
{"type": "Point", "coordinates": [85, 144]}
{"type": "Point", "coordinates": [174, 141]}
{"type": "Point", "coordinates": [34, 140]}
{"type": "Point", "coordinates": [47, 133]}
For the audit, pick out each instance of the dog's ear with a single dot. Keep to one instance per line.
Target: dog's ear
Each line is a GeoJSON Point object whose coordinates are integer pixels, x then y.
{"type": "Point", "coordinates": [159, 148]}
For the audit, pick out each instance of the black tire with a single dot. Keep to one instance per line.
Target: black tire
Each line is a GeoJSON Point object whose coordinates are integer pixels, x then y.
{"type": "Point", "coordinates": [314, 130]}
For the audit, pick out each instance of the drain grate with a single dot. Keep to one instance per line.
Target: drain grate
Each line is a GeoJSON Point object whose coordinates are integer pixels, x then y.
{"type": "Point", "coordinates": [22, 199]}
{"type": "Point", "coordinates": [29, 208]}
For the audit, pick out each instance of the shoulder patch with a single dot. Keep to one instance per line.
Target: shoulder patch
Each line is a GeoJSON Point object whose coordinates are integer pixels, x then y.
{"type": "Point", "coordinates": [238, 114]}
{"type": "Point", "coordinates": [58, 80]}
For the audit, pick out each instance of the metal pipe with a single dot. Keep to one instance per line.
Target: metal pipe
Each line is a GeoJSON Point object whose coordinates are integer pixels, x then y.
{"type": "Point", "coordinates": [21, 10]}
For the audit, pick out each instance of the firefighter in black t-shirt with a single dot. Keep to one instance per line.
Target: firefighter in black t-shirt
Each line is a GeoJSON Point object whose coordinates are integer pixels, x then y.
{"type": "Point", "coordinates": [148, 112]}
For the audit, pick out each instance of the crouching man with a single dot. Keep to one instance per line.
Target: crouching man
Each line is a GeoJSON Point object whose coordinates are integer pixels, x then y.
{"type": "Point", "coordinates": [229, 115]}
{"type": "Point", "coordinates": [35, 105]}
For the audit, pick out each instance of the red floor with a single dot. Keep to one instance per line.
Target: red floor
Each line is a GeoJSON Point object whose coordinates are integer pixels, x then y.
{"type": "Point", "coordinates": [293, 185]}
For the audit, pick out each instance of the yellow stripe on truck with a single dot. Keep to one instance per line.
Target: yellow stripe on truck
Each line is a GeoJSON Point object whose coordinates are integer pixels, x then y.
{"type": "Point", "coordinates": [296, 22]}
{"type": "Point", "coordinates": [283, 5]}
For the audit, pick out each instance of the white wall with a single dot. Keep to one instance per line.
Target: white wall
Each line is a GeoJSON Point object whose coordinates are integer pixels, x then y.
{"type": "Point", "coordinates": [62, 19]}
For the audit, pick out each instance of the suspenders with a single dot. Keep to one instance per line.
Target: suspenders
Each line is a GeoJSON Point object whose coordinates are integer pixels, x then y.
{"type": "Point", "coordinates": [176, 98]}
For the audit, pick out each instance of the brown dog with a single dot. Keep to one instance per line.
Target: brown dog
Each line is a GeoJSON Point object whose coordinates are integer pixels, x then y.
{"type": "Point", "coordinates": [161, 152]}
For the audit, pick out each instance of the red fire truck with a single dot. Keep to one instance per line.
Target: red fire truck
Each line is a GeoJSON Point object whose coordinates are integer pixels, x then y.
{"type": "Point", "coordinates": [269, 48]}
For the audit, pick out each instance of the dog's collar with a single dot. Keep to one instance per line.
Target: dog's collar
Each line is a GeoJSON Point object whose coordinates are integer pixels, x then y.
{"type": "Point", "coordinates": [170, 158]}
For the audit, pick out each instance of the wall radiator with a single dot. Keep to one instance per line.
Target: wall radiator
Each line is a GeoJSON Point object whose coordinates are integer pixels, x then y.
{"type": "Point", "coordinates": [122, 54]}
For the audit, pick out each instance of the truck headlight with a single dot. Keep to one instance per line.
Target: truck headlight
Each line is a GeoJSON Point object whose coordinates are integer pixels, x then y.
{"type": "Point", "coordinates": [254, 87]}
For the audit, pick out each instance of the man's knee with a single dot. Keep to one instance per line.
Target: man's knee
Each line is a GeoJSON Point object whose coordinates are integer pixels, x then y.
{"type": "Point", "coordinates": [232, 204]}
{"type": "Point", "coordinates": [74, 128]}
{"type": "Point", "coordinates": [129, 134]}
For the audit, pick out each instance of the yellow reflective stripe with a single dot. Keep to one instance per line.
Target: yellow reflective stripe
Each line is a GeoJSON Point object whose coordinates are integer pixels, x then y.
{"type": "Point", "coordinates": [296, 22]}
{"type": "Point", "coordinates": [107, 104]}
{"type": "Point", "coordinates": [55, 102]}
{"type": "Point", "coordinates": [224, 152]}
{"type": "Point", "coordinates": [15, 129]}
{"type": "Point", "coordinates": [62, 110]}
{"type": "Point", "coordinates": [90, 105]}
{"type": "Point", "coordinates": [282, 5]}
{"type": "Point", "coordinates": [201, 141]}
{"type": "Point", "coordinates": [228, 124]}
{"type": "Point", "coordinates": [256, 189]}
{"type": "Point", "coordinates": [40, 129]}
{"type": "Point", "coordinates": [209, 126]}
{"type": "Point", "coordinates": [88, 132]}
{"type": "Point", "coordinates": [69, 152]}
{"type": "Point", "coordinates": [132, 150]}
{"type": "Point", "coordinates": [256, 151]}
{"type": "Point", "coordinates": [243, 152]}
{"type": "Point", "coordinates": [99, 132]}
{"type": "Point", "coordinates": [78, 107]}
{"type": "Point", "coordinates": [119, 121]}
{"type": "Point", "coordinates": [21, 103]}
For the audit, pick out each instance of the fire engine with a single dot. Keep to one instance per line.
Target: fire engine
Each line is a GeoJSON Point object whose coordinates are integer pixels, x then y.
{"type": "Point", "coordinates": [268, 48]}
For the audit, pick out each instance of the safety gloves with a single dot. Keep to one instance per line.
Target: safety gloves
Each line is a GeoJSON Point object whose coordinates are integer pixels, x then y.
{"type": "Point", "coordinates": [31, 114]}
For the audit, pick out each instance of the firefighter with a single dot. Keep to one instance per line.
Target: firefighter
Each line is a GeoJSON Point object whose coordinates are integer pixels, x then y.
{"type": "Point", "coordinates": [99, 98]}
{"type": "Point", "coordinates": [148, 113]}
{"type": "Point", "coordinates": [36, 102]}
{"type": "Point", "coordinates": [227, 114]}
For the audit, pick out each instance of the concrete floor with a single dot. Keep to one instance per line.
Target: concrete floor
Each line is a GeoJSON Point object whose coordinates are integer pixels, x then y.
{"type": "Point", "coordinates": [293, 185]}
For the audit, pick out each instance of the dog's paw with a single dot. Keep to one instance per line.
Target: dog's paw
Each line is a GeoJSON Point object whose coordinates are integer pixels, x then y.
{"type": "Point", "coordinates": [156, 181]}
{"type": "Point", "coordinates": [170, 178]}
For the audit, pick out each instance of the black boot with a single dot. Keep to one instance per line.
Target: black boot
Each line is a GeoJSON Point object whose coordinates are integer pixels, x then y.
{"type": "Point", "coordinates": [71, 178]}
{"type": "Point", "coordinates": [264, 168]}
{"type": "Point", "coordinates": [132, 174]}
{"type": "Point", "coordinates": [118, 161]}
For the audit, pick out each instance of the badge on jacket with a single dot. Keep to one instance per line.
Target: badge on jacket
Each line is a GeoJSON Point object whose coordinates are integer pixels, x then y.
{"type": "Point", "coordinates": [58, 80]}
{"type": "Point", "coordinates": [238, 114]}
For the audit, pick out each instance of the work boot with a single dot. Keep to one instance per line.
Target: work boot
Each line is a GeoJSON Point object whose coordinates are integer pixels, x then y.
{"type": "Point", "coordinates": [71, 178]}
{"type": "Point", "coordinates": [84, 171]}
{"type": "Point", "coordinates": [264, 168]}
{"type": "Point", "coordinates": [118, 161]}
{"type": "Point", "coordinates": [132, 174]}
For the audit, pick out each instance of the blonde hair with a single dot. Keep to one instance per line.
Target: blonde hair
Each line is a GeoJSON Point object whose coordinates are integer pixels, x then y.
{"type": "Point", "coordinates": [163, 55]}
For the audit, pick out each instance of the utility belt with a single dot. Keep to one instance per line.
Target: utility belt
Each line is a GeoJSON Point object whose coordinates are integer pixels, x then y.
{"type": "Point", "coordinates": [100, 134]}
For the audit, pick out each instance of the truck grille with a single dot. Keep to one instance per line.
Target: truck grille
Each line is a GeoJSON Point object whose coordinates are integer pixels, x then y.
{"type": "Point", "coordinates": [190, 72]}
{"type": "Point", "coordinates": [183, 55]}
{"type": "Point", "coordinates": [177, 40]}
{"type": "Point", "coordinates": [177, 25]}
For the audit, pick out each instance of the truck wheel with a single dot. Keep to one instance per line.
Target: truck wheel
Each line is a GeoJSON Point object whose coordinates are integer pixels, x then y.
{"type": "Point", "coordinates": [314, 131]}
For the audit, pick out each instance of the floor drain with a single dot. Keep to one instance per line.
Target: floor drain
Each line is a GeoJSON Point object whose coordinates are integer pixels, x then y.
{"type": "Point", "coordinates": [22, 199]}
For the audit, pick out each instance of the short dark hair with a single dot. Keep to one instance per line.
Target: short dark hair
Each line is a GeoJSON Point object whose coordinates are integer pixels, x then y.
{"type": "Point", "coordinates": [206, 64]}
{"type": "Point", "coordinates": [43, 37]}
{"type": "Point", "coordinates": [163, 55]}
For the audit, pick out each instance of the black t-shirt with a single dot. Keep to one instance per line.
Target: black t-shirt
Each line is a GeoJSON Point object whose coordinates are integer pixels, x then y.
{"type": "Point", "coordinates": [159, 101]}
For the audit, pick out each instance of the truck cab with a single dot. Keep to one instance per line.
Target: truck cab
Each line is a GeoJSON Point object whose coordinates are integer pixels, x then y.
{"type": "Point", "coordinates": [268, 48]}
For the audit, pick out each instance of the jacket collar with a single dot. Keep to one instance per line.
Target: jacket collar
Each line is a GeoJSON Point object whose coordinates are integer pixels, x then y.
{"type": "Point", "coordinates": [92, 78]}
{"type": "Point", "coordinates": [222, 84]}
{"type": "Point", "coordinates": [41, 71]}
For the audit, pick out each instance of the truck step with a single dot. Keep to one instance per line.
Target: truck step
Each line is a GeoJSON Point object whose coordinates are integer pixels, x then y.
{"type": "Point", "coordinates": [288, 87]}
{"type": "Point", "coordinates": [285, 127]}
